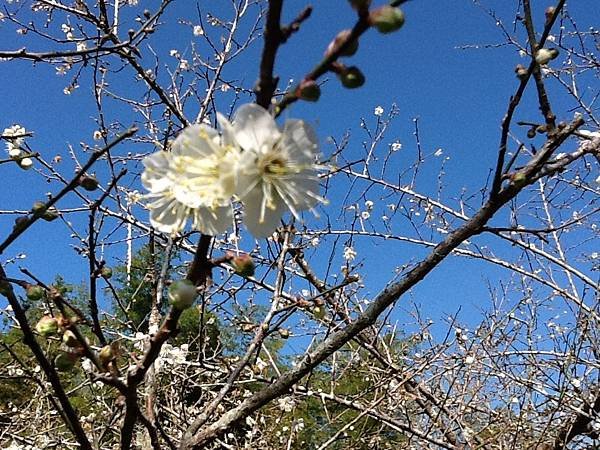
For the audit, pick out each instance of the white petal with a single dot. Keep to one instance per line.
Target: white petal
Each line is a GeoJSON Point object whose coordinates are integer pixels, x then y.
{"type": "Point", "coordinates": [196, 141]}
{"type": "Point", "coordinates": [168, 215]}
{"type": "Point", "coordinates": [300, 140]}
{"type": "Point", "coordinates": [299, 191]}
{"type": "Point", "coordinates": [213, 221]}
{"type": "Point", "coordinates": [254, 127]}
{"type": "Point", "coordinates": [260, 220]}
{"type": "Point", "coordinates": [156, 174]}
{"type": "Point", "coordinates": [227, 131]}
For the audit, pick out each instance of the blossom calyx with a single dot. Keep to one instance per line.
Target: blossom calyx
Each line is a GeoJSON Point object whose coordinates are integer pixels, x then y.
{"type": "Point", "coordinates": [47, 326]}
{"type": "Point", "coordinates": [182, 294]}
{"type": "Point", "coordinates": [387, 19]}
{"type": "Point", "coordinates": [352, 77]}
{"type": "Point", "coordinates": [308, 90]}
{"type": "Point", "coordinates": [243, 265]}
{"type": "Point", "coordinates": [341, 39]}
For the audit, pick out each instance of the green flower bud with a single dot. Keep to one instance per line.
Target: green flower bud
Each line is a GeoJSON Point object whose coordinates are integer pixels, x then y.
{"type": "Point", "coordinates": [319, 312]}
{"type": "Point", "coordinates": [20, 222]}
{"type": "Point", "coordinates": [88, 182]}
{"type": "Point", "coordinates": [50, 214]}
{"type": "Point", "coordinates": [531, 133]}
{"type": "Point", "coordinates": [35, 292]}
{"type": "Point", "coordinates": [387, 19]}
{"type": "Point", "coordinates": [519, 178]}
{"type": "Point", "coordinates": [69, 339]}
{"type": "Point", "coordinates": [107, 354]}
{"type": "Point", "coordinates": [352, 78]}
{"type": "Point", "coordinates": [38, 207]}
{"type": "Point", "coordinates": [284, 333]}
{"type": "Point", "coordinates": [243, 265]}
{"type": "Point", "coordinates": [182, 294]}
{"type": "Point", "coordinates": [106, 272]}
{"type": "Point", "coordinates": [308, 90]}
{"type": "Point", "coordinates": [47, 326]}
{"type": "Point", "coordinates": [65, 361]}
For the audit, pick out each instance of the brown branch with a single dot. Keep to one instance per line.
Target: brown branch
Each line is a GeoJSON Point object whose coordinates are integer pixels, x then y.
{"type": "Point", "coordinates": [273, 37]}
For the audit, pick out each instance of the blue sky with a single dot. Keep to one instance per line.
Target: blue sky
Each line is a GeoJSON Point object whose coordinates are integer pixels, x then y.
{"type": "Point", "coordinates": [459, 96]}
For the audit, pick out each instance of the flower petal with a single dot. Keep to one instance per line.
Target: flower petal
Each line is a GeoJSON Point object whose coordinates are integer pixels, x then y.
{"type": "Point", "coordinates": [213, 221]}
{"type": "Point", "coordinates": [261, 220]}
{"type": "Point", "coordinates": [196, 141]}
{"type": "Point", "coordinates": [156, 174]}
{"type": "Point", "coordinates": [254, 128]}
{"type": "Point", "coordinates": [300, 140]}
{"type": "Point", "coordinates": [168, 215]}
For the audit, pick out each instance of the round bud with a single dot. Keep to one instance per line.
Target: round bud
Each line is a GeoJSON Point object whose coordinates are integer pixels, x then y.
{"type": "Point", "coordinates": [319, 312]}
{"type": "Point", "coordinates": [521, 72]}
{"type": "Point", "coordinates": [243, 265]}
{"type": "Point", "coordinates": [69, 339]}
{"type": "Point", "coordinates": [38, 207]}
{"type": "Point", "coordinates": [519, 178]}
{"type": "Point", "coordinates": [20, 222]}
{"type": "Point", "coordinates": [106, 355]}
{"type": "Point", "coordinates": [106, 272]}
{"type": "Point", "coordinates": [387, 19]}
{"type": "Point", "coordinates": [182, 294]}
{"type": "Point", "coordinates": [88, 182]}
{"type": "Point", "coordinates": [550, 10]}
{"type": "Point", "coordinates": [47, 326]}
{"type": "Point", "coordinates": [65, 361]}
{"type": "Point", "coordinates": [35, 292]}
{"type": "Point", "coordinates": [25, 163]}
{"type": "Point", "coordinates": [284, 333]}
{"type": "Point", "coordinates": [531, 133]}
{"type": "Point", "coordinates": [352, 78]}
{"type": "Point", "coordinates": [50, 214]}
{"type": "Point", "coordinates": [308, 90]}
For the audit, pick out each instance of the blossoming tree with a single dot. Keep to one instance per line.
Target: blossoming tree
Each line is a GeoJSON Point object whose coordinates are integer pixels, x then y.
{"type": "Point", "coordinates": [229, 323]}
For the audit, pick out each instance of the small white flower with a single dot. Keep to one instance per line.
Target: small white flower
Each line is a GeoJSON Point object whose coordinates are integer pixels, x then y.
{"type": "Point", "coordinates": [97, 135]}
{"type": "Point", "coordinates": [365, 215]}
{"type": "Point", "coordinates": [184, 65]}
{"type": "Point", "coordinates": [369, 205]}
{"type": "Point", "coordinates": [378, 111]}
{"type": "Point", "coordinates": [349, 253]}
{"type": "Point", "coordinates": [81, 46]}
{"type": "Point", "coordinates": [397, 145]}
{"type": "Point", "coordinates": [469, 359]}
{"type": "Point", "coordinates": [173, 53]}
{"type": "Point", "coordinates": [286, 404]}
{"type": "Point", "coordinates": [276, 171]}
{"type": "Point", "coordinates": [198, 30]}
{"type": "Point", "coordinates": [438, 152]}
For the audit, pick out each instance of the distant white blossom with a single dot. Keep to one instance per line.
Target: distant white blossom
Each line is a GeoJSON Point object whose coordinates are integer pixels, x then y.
{"type": "Point", "coordinates": [198, 30]}
{"type": "Point", "coordinates": [349, 253]}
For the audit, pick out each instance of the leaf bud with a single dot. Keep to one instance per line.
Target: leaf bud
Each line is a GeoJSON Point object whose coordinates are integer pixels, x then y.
{"type": "Point", "coordinates": [47, 326]}
{"type": "Point", "coordinates": [308, 90]}
{"type": "Point", "coordinates": [69, 339]}
{"type": "Point", "coordinates": [387, 19]}
{"type": "Point", "coordinates": [65, 361]}
{"type": "Point", "coordinates": [182, 294]}
{"type": "Point", "coordinates": [88, 182]}
{"type": "Point", "coordinates": [243, 265]}
{"type": "Point", "coordinates": [35, 292]}
{"type": "Point", "coordinates": [352, 78]}
{"type": "Point", "coordinates": [50, 214]}
{"type": "Point", "coordinates": [106, 272]}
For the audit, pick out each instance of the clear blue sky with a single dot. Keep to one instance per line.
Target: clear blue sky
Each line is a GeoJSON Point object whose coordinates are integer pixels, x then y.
{"type": "Point", "coordinates": [459, 96]}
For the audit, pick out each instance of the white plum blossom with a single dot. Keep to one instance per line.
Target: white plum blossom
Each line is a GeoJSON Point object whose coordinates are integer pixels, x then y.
{"type": "Point", "coordinates": [276, 171]}
{"type": "Point", "coordinates": [270, 170]}
{"type": "Point", "coordinates": [15, 138]}
{"type": "Point", "coordinates": [195, 180]}
{"type": "Point", "coordinates": [378, 111]}
{"type": "Point", "coordinates": [349, 253]}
